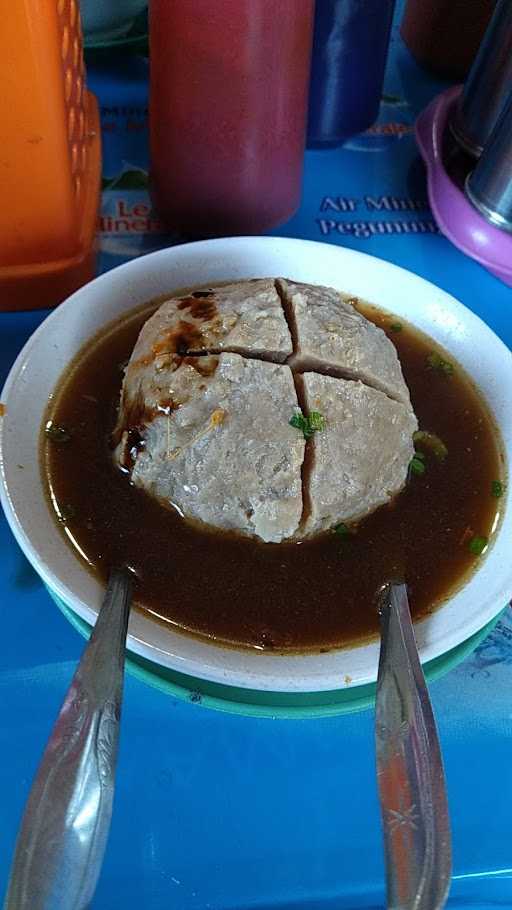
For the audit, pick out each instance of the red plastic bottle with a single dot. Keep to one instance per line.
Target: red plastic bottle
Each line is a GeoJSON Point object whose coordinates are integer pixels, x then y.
{"type": "Point", "coordinates": [444, 35]}
{"type": "Point", "coordinates": [228, 103]}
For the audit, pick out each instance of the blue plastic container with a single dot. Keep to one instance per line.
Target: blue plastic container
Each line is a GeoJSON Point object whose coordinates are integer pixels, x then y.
{"type": "Point", "coordinates": [350, 47]}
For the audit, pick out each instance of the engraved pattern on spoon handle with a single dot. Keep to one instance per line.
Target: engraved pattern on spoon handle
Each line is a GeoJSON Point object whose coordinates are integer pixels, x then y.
{"type": "Point", "coordinates": [409, 769]}
{"type": "Point", "coordinates": [64, 830]}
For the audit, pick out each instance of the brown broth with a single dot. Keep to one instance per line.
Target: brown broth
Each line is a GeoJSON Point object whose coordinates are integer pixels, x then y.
{"type": "Point", "coordinates": [314, 595]}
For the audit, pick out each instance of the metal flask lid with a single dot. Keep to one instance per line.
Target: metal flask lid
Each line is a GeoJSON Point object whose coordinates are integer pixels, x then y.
{"type": "Point", "coordinates": [489, 186]}
{"type": "Point", "coordinates": [487, 85]}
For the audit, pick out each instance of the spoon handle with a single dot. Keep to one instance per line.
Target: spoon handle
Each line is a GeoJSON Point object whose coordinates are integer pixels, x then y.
{"type": "Point", "coordinates": [409, 769]}
{"type": "Point", "coordinates": [65, 826]}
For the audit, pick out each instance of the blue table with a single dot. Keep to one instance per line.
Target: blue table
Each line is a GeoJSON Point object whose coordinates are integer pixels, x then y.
{"type": "Point", "coordinates": [220, 811]}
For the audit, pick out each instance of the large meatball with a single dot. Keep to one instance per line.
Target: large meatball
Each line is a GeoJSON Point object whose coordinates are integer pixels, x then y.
{"type": "Point", "coordinates": [211, 387]}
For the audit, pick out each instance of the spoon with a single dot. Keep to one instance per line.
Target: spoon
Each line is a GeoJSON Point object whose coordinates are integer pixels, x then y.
{"type": "Point", "coordinates": [65, 825]}
{"type": "Point", "coordinates": [409, 768]}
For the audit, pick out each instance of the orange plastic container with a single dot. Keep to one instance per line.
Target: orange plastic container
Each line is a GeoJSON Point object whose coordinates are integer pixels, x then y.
{"type": "Point", "coordinates": [50, 156]}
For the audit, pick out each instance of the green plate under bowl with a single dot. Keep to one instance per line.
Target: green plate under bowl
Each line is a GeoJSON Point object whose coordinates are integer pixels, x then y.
{"type": "Point", "coordinates": [271, 704]}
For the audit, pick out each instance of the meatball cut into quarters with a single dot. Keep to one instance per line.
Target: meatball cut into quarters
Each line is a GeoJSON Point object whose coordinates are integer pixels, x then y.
{"type": "Point", "coordinates": [215, 411]}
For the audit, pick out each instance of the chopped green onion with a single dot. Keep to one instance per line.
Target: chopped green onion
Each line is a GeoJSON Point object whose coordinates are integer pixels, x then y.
{"type": "Point", "coordinates": [497, 489]}
{"type": "Point", "coordinates": [316, 421]}
{"type": "Point", "coordinates": [417, 466]}
{"type": "Point", "coordinates": [477, 545]}
{"type": "Point", "coordinates": [436, 362]}
{"type": "Point", "coordinates": [298, 421]}
{"type": "Point", "coordinates": [432, 442]}
{"type": "Point", "coordinates": [56, 433]}
{"type": "Point", "coordinates": [342, 530]}
{"type": "Point", "coordinates": [308, 425]}
{"type": "Point", "coordinates": [396, 327]}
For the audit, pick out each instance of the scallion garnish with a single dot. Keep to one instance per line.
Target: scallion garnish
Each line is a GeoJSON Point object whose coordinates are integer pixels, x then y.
{"type": "Point", "coordinates": [432, 442]}
{"type": "Point", "coordinates": [314, 423]}
{"type": "Point", "coordinates": [497, 489]}
{"type": "Point", "coordinates": [417, 465]}
{"type": "Point", "coordinates": [477, 545]}
{"type": "Point", "coordinates": [438, 363]}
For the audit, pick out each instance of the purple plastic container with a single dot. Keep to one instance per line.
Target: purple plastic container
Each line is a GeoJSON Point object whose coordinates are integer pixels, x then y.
{"type": "Point", "coordinates": [455, 215]}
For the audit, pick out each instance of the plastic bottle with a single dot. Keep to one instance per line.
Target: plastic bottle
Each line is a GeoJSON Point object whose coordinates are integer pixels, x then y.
{"type": "Point", "coordinates": [350, 46]}
{"type": "Point", "coordinates": [228, 102]}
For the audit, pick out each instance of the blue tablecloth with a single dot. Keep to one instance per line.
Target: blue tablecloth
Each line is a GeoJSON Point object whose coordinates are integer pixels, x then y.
{"type": "Point", "coordinates": [218, 811]}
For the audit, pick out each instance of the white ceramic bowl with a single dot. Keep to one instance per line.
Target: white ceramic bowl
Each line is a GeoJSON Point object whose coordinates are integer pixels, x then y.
{"type": "Point", "coordinates": [39, 365]}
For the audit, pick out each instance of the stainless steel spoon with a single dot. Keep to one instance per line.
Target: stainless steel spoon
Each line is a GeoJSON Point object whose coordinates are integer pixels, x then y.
{"type": "Point", "coordinates": [64, 831]}
{"type": "Point", "coordinates": [409, 768]}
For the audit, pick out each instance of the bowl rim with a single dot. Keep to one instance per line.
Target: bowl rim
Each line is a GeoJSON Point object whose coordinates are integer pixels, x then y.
{"type": "Point", "coordinates": [270, 671]}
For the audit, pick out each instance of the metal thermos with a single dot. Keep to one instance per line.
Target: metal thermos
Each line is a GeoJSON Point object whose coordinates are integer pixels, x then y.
{"type": "Point", "coordinates": [488, 84]}
{"type": "Point", "coordinates": [489, 186]}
